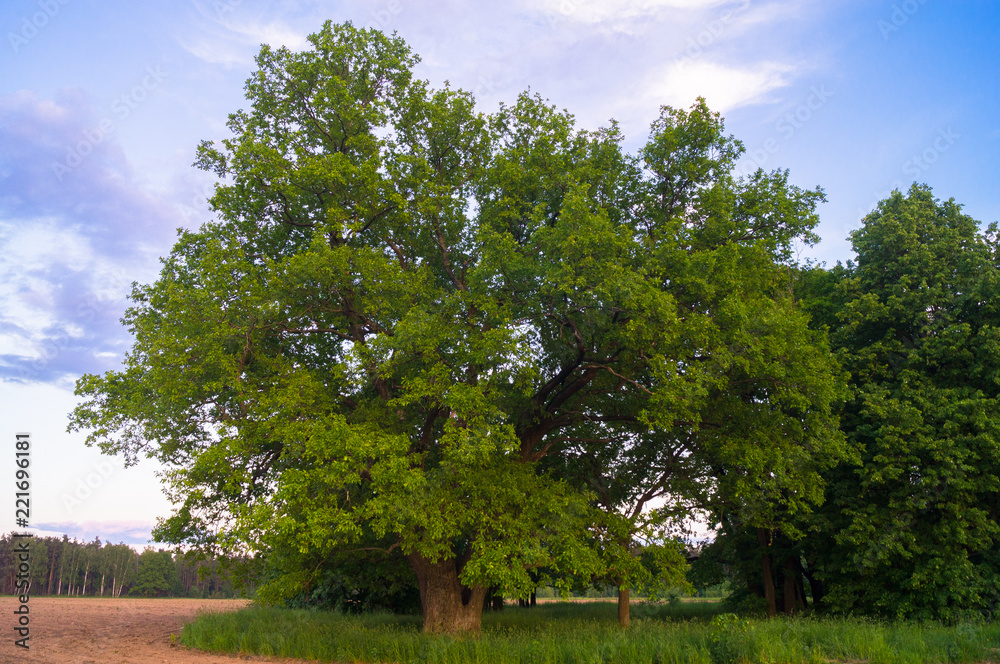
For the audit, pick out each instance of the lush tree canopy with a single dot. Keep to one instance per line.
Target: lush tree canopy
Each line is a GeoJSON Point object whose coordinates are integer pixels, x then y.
{"type": "Point", "coordinates": [481, 340]}
{"type": "Point", "coordinates": [157, 575]}
{"type": "Point", "coordinates": [919, 330]}
{"type": "Point", "coordinates": [909, 527]}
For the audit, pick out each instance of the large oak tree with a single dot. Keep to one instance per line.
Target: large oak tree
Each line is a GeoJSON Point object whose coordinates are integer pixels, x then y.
{"type": "Point", "coordinates": [417, 325]}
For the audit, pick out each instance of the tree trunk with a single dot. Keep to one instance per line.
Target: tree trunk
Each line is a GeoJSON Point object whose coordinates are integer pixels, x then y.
{"type": "Point", "coordinates": [816, 590]}
{"type": "Point", "coordinates": [623, 606]}
{"type": "Point", "coordinates": [73, 566]}
{"type": "Point", "coordinates": [52, 571]}
{"type": "Point", "coordinates": [765, 568]}
{"type": "Point", "coordinates": [448, 606]}
{"type": "Point", "coordinates": [494, 600]}
{"type": "Point", "coordinates": [790, 604]}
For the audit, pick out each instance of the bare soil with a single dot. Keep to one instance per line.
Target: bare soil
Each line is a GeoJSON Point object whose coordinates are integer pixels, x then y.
{"type": "Point", "coordinates": [112, 631]}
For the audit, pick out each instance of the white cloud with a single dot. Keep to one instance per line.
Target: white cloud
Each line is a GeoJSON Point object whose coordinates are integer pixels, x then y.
{"type": "Point", "coordinates": [53, 287]}
{"type": "Point", "coordinates": [724, 87]}
{"type": "Point", "coordinates": [215, 52]}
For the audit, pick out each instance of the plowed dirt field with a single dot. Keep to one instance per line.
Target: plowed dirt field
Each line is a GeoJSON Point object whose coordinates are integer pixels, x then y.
{"type": "Point", "coordinates": [111, 631]}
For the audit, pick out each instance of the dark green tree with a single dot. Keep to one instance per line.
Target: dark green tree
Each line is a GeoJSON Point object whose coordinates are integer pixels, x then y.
{"type": "Point", "coordinates": [157, 576]}
{"type": "Point", "coordinates": [912, 529]}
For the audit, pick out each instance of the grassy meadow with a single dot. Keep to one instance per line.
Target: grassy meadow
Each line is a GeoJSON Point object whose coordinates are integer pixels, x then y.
{"type": "Point", "coordinates": [588, 633]}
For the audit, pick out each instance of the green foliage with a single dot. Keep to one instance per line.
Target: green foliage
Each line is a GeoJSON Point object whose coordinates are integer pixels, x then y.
{"type": "Point", "coordinates": [350, 581]}
{"type": "Point", "coordinates": [486, 342]}
{"type": "Point", "coordinates": [909, 527]}
{"type": "Point", "coordinates": [732, 640]}
{"type": "Point", "coordinates": [916, 522]}
{"type": "Point", "coordinates": [559, 633]}
{"type": "Point", "coordinates": [157, 576]}
{"type": "Point", "coordinates": [211, 578]}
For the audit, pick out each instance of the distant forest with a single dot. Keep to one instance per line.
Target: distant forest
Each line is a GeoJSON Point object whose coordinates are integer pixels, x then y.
{"type": "Point", "coordinates": [67, 567]}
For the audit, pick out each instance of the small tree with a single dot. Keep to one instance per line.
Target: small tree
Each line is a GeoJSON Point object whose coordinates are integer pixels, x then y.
{"type": "Point", "coordinates": [157, 575]}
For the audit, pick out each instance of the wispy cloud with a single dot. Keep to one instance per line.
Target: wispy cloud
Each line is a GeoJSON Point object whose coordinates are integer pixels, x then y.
{"type": "Point", "coordinates": [599, 11]}
{"type": "Point", "coordinates": [230, 32]}
{"type": "Point", "coordinates": [624, 59]}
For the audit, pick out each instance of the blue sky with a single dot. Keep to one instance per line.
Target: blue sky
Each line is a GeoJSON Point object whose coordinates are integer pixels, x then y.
{"type": "Point", "coordinates": [103, 103]}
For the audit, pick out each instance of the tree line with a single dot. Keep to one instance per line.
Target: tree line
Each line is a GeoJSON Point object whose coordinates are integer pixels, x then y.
{"type": "Point", "coordinates": [65, 567]}
{"type": "Point", "coordinates": [430, 355]}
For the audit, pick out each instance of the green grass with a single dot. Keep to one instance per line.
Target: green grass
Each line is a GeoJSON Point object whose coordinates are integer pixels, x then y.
{"type": "Point", "coordinates": [589, 634]}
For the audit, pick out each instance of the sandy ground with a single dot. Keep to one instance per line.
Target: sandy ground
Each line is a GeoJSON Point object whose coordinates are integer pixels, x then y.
{"type": "Point", "coordinates": [111, 631]}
